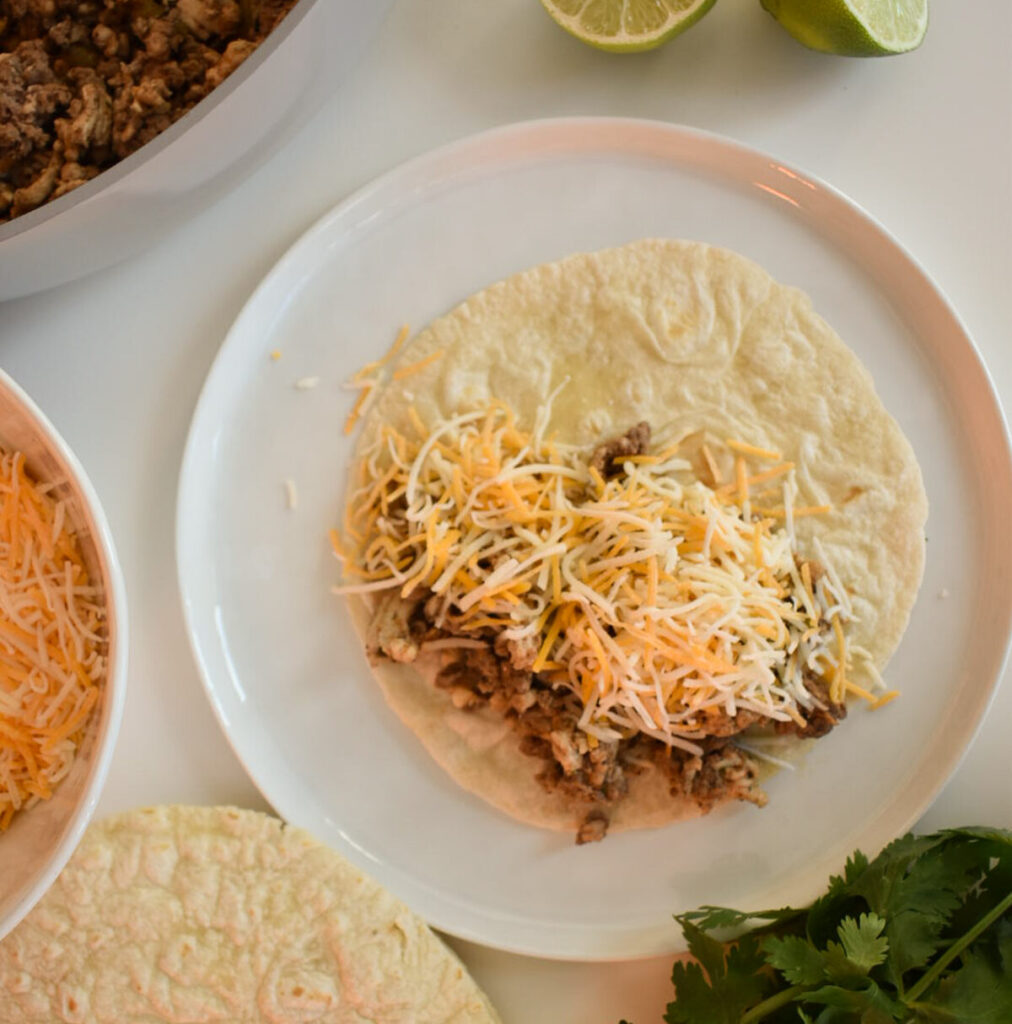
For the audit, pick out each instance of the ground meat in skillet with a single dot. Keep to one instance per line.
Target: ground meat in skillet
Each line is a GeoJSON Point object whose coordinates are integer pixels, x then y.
{"type": "Point", "coordinates": [85, 83]}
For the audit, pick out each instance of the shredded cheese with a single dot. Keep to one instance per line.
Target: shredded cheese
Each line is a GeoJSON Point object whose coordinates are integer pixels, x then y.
{"type": "Point", "coordinates": [368, 377]}
{"type": "Point", "coordinates": [658, 600]}
{"type": "Point", "coordinates": [406, 371]}
{"type": "Point", "coordinates": [291, 494]}
{"type": "Point", "coordinates": [714, 469]}
{"type": "Point", "coordinates": [363, 374]}
{"type": "Point", "coordinates": [52, 646]}
{"type": "Point", "coordinates": [886, 698]}
{"type": "Point", "coordinates": [750, 449]}
{"type": "Point", "coordinates": [356, 409]}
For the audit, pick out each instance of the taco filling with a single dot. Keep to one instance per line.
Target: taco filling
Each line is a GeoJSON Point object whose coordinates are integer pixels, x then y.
{"type": "Point", "coordinates": [616, 522]}
{"type": "Point", "coordinates": [636, 603]}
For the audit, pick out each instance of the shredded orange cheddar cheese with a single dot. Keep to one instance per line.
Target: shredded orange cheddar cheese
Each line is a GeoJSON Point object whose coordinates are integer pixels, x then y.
{"type": "Point", "coordinates": [652, 596]}
{"type": "Point", "coordinates": [750, 449]}
{"type": "Point", "coordinates": [51, 641]}
{"type": "Point", "coordinates": [356, 409]}
{"type": "Point", "coordinates": [360, 378]}
{"type": "Point", "coordinates": [406, 371]}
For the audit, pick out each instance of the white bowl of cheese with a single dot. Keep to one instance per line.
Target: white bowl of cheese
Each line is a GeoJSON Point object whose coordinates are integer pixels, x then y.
{"type": "Point", "coordinates": [63, 652]}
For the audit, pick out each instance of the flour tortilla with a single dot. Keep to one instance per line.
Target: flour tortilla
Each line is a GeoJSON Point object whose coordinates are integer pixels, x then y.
{"type": "Point", "coordinates": [203, 914]}
{"type": "Point", "coordinates": [688, 337]}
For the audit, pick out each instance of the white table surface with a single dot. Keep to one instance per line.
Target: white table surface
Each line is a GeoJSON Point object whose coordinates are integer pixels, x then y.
{"type": "Point", "coordinates": [923, 142]}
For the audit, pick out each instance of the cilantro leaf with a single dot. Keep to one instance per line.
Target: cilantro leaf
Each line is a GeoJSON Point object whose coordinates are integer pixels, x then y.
{"type": "Point", "coordinates": [837, 901]}
{"type": "Point", "coordinates": [834, 1015]}
{"type": "Point", "coordinates": [862, 940]}
{"type": "Point", "coordinates": [839, 967]}
{"type": "Point", "coordinates": [707, 950]}
{"type": "Point", "coordinates": [920, 934]}
{"type": "Point", "coordinates": [995, 835]}
{"type": "Point", "coordinates": [745, 957]}
{"type": "Point", "coordinates": [869, 998]}
{"type": "Point", "coordinates": [913, 940]}
{"type": "Point", "coordinates": [694, 1002]}
{"type": "Point", "coordinates": [875, 1016]}
{"type": "Point", "coordinates": [980, 990]}
{"type": "Point", "coordinates": [796, 958]}
{"type": "Point", "coordinates": [734, 981]}
{"type": "Point", "coordinates": [711, 918]}
{"type": "Point", "coordinates": [929, 876]}
{"type": "Point", "coordinates": [857, 864]}
{"type": "Point", "coordinates": [993, 878]}
{"type": "Point", "coordinates": [916, 884]}
{"type": "Point", "coordinates": [901, 852]}
{"type": "Point", "coordinates": [802, 963]}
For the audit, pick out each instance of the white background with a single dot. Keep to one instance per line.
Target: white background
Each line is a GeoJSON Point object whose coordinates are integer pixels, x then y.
{"type": "Point", "coordinates": [923, 142]}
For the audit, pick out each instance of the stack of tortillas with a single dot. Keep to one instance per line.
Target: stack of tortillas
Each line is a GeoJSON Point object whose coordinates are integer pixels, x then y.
{"type": "Point", "coordinates": [217, 914]}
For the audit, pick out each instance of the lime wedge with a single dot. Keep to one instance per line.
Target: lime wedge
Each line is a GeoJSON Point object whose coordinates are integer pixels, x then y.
{"type": "Point", "coordinates": [854, 28]}
{"type": "Point", "coordinates": [626, 26]}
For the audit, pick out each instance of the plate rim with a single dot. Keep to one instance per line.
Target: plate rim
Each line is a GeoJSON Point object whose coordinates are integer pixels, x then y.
{"type": "Point", "coordinates": [601, 132]}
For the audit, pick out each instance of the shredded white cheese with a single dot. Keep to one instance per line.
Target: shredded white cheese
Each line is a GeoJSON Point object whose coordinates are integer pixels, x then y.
{"type": "Point", "coordinates": [291, 494]}
{"type": "Point", "coordinates": [662, 602]}
{"type": "Point", "coordinates": [52, 659]}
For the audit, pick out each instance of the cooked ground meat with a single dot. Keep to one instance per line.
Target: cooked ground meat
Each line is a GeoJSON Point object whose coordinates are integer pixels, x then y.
{"type": "Point", "coordinates": [607, 456]}
{"type": "Point", "coordinates": [85, 83]}
{"type": "Point", "coordinates": [492, 679]}
{"type": "Point", "coordinates": [390, 631]}
{"type": "Point", "coordinates": [722, 772]}
{"type": "Point", "coordinates": [593, 829]}
{"type": "Point", "coordinates": [595, 777]}
{"type": "Point", "coordinates": [717, 722]}
{"type": "Point", "coordinates": [821, 718]}
{"type": "Point", "coordinates": [521, 653]}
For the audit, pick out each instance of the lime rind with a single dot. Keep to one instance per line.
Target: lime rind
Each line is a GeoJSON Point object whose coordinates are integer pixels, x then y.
{"type": "Point", "coordinates": [853, 28]}
{"type": "Point", "coordinates": [626, 26]}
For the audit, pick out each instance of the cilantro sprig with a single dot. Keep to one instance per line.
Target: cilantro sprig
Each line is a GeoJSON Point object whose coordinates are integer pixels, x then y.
{"type": "Point", "coordinates": [922, 934]}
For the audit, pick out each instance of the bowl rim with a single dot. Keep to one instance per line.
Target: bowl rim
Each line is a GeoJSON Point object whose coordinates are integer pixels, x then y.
{"type": "Point", "coordinates": [152, 149]}
{"type": "Point", "coordinates": [116, 671]}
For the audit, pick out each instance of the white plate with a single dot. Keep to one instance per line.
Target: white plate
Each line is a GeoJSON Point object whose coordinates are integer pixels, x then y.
{"type": "Point", "coordinates": [281, 663]}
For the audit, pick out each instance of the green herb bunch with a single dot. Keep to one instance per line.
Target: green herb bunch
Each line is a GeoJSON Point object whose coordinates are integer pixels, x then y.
{"type": "Point", "coordinates": [922, 933]}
